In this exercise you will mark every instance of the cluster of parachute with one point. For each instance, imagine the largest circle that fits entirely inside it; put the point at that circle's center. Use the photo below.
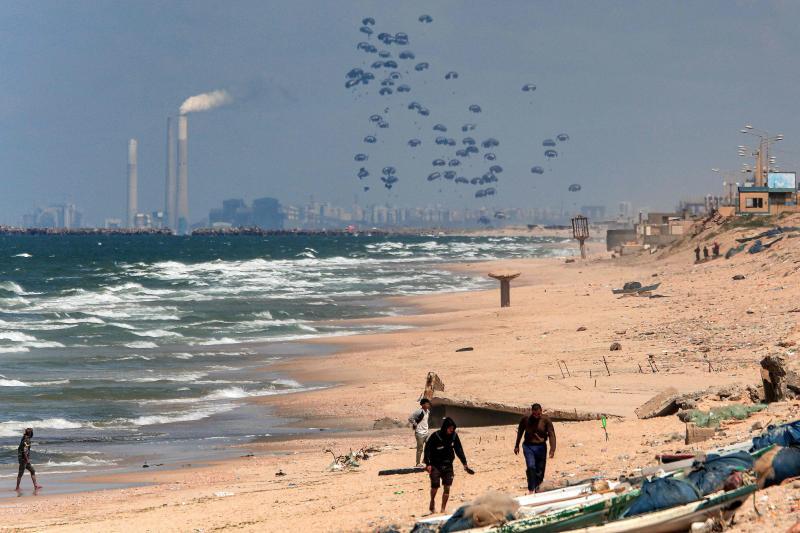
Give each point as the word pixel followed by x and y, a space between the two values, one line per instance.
pixel 393 67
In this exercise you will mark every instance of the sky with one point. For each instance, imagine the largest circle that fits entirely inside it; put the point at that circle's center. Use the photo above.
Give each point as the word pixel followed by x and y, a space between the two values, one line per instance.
pixel 652 94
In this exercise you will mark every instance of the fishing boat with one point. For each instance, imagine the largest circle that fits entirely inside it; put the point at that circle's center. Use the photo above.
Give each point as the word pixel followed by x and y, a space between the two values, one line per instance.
pixel 678 518
pixel 529 504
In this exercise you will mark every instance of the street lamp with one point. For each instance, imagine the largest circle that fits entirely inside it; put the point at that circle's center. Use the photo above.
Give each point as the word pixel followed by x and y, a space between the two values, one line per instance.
pixel 762 154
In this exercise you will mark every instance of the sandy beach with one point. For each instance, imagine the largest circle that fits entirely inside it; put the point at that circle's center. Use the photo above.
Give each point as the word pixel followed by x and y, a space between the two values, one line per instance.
pixel 707 330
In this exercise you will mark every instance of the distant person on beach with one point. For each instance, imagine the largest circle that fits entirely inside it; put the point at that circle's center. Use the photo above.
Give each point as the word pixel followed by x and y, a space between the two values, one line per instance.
pixel 419 421
pixel 715 249
pixel 24 458
pixel 697 254
pixel 705 252
pixel 441 449
pixel 537 429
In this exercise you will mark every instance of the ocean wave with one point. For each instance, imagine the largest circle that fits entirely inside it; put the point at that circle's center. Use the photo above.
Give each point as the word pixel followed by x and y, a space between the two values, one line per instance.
pixel 10 286
pixel 141 344
pixel 14 349
pixel 16 336
pixel 14 428
pixel 171 418
pixel 49 383
pixel 184 377
pixel 23 254
pixel 287 383
pixel 157 333
pixel 84 460
pixel 12 383
pixel 214 341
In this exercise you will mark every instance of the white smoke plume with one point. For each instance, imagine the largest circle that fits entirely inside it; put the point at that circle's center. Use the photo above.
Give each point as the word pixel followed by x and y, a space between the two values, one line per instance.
pixel 206 101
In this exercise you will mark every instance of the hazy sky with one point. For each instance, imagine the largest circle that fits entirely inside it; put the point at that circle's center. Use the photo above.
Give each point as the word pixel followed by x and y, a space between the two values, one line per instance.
pixel 652 94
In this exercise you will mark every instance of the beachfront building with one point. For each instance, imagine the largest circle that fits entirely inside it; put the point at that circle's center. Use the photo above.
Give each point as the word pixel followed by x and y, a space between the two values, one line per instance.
pixel 778 196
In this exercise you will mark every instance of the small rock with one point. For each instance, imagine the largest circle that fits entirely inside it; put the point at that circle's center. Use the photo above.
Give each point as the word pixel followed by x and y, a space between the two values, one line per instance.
pixel 465 349
pixel 738 277
pixel 582 328
pixel 786 344
pixel 615 347
pixel 796 484
pixel 621 332
pixel 757 426
pixel 280 473
pixel 750 311
pixel 569 261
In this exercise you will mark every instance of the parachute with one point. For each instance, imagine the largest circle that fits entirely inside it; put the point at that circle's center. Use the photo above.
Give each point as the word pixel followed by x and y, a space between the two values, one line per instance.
pixel 537 170
pixel 550 154
pixel 529 87
pixel 548 142
pixel 575 187
pixel 562 137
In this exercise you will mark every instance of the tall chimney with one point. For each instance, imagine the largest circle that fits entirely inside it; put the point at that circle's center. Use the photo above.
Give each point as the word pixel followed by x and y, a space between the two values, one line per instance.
pixel 133 179
pixel 183 176
pixel 170 196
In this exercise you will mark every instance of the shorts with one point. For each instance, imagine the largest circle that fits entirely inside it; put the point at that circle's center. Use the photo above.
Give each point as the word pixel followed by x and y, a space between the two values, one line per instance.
pixel 441 476
pixel 23 466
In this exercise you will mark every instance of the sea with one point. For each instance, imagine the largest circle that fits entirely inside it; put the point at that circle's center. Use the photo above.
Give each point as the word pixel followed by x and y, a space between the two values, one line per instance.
pixel 122 351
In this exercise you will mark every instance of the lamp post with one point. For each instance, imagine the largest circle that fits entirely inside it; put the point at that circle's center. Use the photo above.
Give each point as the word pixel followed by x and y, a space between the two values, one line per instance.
pixel 763 161
pixel 727 183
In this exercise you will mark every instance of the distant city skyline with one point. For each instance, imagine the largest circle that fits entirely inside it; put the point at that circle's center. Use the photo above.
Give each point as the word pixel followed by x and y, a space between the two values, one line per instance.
pixel 652 95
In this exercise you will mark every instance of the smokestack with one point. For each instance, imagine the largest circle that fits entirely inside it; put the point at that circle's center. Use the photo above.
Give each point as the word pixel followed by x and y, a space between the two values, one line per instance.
pixel 170 196
pixel 133 179
pixel 183 175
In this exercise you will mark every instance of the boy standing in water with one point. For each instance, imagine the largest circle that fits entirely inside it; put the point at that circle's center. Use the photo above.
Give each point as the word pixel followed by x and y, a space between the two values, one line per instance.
pixel 24 458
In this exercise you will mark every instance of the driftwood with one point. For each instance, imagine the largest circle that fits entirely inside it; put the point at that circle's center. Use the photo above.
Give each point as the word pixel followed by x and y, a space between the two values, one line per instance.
pixel 557 415
pixel 397 471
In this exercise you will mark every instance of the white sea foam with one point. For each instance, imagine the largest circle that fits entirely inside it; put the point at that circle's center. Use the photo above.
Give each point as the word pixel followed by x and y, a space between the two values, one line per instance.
pixel 16 336
pixel 141 344
pixel 214 341
pixel 23 254
pixel 10 286
pixel 12 383
pixel 170 418
pixel 13 428
pixel 49 383
pixel 287 383
pixel 80 461
pixel 14 349
pixel 157 333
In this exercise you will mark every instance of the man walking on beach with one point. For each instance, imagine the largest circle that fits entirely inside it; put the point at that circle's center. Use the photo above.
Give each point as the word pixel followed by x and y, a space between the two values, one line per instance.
pixel 419 421
pixel 697 254
pixel 705 252
pixel 441 449
pixel 538 429
pixel 24 458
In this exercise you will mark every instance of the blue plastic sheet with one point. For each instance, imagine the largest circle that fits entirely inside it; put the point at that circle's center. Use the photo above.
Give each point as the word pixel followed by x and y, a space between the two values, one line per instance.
pixel 784 435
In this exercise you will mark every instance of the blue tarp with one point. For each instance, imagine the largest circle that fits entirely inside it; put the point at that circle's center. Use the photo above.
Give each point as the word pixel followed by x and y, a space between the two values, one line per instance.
pixel 757 247
pixel 784 435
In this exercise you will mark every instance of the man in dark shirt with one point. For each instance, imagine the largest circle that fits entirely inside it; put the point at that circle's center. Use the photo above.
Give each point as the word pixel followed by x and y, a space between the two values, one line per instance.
pixel 24 458
pixel 441 449
pixel 538 429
